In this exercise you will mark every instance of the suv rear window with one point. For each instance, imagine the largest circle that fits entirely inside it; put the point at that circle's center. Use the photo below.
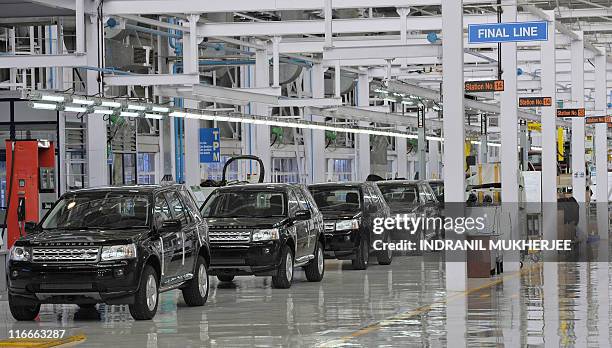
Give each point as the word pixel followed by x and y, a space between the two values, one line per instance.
pixel 400 194
pixel 336 198
pixel 245 204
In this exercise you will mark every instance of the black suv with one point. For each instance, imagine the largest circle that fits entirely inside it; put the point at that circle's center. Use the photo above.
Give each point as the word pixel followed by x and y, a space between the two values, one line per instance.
pixel 264 230
pixel 115 245
pixel 412 198
pixel 349 211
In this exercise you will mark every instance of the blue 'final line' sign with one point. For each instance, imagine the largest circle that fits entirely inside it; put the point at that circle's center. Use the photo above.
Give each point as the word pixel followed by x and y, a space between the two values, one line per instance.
pixel 508 32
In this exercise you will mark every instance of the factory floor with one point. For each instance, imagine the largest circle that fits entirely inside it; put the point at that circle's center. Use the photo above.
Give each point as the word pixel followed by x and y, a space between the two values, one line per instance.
pixel 401 305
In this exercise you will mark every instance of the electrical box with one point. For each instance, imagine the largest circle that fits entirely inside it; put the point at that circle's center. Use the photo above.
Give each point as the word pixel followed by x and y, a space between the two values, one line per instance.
pixel 30 182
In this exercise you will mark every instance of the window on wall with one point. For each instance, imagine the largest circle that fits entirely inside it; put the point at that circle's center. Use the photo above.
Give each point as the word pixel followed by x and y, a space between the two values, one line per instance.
pixel 286 170
pixel 341 170
pixel 146 168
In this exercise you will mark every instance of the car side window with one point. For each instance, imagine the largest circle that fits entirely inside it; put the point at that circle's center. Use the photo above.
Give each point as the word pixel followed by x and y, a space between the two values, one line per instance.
pixel 429 197
pixel 176 207
pixel 294 204
pixel 190 204
pixel 369 197
pixel 378 199
pixel 311 202
pixel 302 201
pixel 161 211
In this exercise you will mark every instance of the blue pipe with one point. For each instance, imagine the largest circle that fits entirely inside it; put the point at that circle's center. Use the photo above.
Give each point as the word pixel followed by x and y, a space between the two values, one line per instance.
pixel 152 31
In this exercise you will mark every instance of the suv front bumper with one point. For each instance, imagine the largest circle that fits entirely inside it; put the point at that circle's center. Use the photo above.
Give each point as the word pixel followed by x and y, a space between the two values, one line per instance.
pixel 255 258
pixel 109 282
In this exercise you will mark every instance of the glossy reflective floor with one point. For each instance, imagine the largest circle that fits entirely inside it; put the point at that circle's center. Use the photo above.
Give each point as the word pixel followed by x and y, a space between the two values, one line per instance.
pixel 402 305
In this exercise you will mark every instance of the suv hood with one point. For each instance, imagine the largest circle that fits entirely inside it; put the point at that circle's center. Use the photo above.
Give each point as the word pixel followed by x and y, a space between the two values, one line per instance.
pixel 245 222
pixel 67 237
pixel 340 215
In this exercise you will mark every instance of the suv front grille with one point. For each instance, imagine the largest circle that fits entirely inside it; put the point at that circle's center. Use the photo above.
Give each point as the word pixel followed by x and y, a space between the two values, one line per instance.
pixel 330 226
pixel 88 254
pixel 229 236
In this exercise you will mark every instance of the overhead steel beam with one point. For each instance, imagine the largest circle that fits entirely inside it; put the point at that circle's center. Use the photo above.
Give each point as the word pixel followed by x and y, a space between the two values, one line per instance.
pixel 42 61
pixel 198 6
pixel 583 13
pixel 268 95
pixel 341 26
pixel 308 102
pixel 382 52
pixel 152 80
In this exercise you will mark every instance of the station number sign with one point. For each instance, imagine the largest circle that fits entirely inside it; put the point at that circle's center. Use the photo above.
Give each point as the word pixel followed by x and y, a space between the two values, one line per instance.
pixel 485 86
pixel 531 102
pixel 571 112
pixel 598 119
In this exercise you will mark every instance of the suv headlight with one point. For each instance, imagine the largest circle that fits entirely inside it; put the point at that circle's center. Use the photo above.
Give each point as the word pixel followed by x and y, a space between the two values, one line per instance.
pixel 19 253
pixel 118 252
pixel 268 234
pixel 345 225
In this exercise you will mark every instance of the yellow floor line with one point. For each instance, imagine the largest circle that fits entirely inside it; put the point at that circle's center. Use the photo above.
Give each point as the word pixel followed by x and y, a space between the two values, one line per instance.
pixel 43 343
pixel 424 309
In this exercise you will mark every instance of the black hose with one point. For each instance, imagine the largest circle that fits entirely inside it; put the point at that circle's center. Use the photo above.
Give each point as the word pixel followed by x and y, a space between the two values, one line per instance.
pixel 10 191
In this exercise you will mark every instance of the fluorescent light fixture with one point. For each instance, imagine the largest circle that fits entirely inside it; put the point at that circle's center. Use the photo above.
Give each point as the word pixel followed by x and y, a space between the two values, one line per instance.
pixel 536 148
pixel 494 144
pixel 103 111
pixel 53 98
pixel 162 109
pixel 75 109
pixel 407 102
pixel 136 107
pixel 128 114
pixel 44 106
pixel 154 116
pixel 111 104
pixel 82 101
pixel 177 114
pixel 433 138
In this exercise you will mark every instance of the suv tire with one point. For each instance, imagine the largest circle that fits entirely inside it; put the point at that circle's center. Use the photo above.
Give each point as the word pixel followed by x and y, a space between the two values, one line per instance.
pixel 225 278
pixel 146 298
pixel 284 273
pixel 316 268
pixel 385 257
pixel 23 312
pixel 362 256
pixel 195 293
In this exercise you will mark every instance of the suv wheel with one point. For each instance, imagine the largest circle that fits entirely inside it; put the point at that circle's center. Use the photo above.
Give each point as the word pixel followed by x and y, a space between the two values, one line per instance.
pixel 147 296
pixel 225 278
pixel 23 312
pixel 196 291
pixel 284 273
pixel 316 268
pixel 385 257
pixel 362 256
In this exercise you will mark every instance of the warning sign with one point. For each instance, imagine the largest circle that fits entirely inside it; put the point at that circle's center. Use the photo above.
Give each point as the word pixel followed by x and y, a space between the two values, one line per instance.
pixel 485 86
pixel 570 112
pixel 533 102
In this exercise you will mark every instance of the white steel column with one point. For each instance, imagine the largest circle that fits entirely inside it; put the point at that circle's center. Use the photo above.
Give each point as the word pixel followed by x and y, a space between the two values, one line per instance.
pixel 362 148
pixel 454 129
pixel 80 26
pixel 509 114
pixel 433 159
pixel 97 168
pixel 549 184
pixel 549 129
pixel 314 140
pixel 601 144
pixel 401 150
pixel 578 165
pixel 275 62
pixel 262 132
pixel 509 143
pixel 192 126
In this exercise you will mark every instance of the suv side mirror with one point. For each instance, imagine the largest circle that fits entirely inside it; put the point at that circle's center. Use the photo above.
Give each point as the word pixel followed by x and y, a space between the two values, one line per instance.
pixel 31 227
pixel 171 226
pixel 303 215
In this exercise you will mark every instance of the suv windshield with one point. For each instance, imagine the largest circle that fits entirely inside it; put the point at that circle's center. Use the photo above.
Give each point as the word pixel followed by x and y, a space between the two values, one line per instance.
pixel 399 195
pixel 337 198
pixel 256 204
pixel 103 210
